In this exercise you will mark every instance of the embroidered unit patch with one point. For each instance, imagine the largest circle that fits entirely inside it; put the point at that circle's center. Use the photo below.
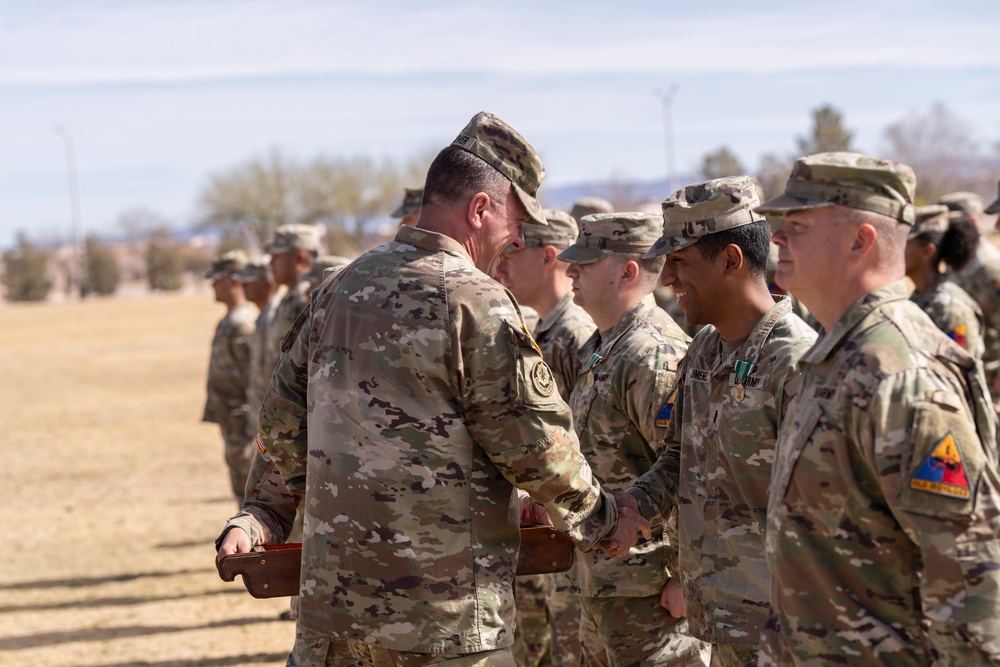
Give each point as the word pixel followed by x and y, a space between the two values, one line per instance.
pixel 663 419
pixel 943 471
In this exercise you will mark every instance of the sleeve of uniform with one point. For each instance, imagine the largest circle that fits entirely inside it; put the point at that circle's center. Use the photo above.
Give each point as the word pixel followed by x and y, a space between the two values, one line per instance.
pixel 944 491
pixel 656 490
pixel 268 508
pixel 513 409
pixel 282 424
pixel 646 390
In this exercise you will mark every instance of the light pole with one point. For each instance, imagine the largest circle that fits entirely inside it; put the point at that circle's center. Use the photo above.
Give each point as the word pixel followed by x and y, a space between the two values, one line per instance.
pixel 74 193
pixel 667 101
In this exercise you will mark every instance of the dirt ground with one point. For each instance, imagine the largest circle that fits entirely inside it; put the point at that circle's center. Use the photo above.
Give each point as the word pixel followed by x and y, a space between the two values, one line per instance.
pixel 115 492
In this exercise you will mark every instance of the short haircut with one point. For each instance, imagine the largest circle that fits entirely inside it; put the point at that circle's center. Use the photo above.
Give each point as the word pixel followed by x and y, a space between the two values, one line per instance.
pixel 649 267
pixel 754 240
pixel 957 245
pixel 456 173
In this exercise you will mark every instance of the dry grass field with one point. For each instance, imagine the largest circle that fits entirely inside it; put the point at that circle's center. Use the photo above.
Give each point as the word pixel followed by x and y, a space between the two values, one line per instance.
pixel 114 491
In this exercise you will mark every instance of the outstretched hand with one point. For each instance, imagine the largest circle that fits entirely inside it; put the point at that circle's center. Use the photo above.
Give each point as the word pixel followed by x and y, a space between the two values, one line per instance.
pixel 630 524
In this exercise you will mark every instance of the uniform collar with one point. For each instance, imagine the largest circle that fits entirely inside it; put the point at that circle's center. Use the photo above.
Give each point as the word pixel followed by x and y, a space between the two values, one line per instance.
pixel 625 323
pixel 557 311
pixel 751 347
pixel 428 240
pixel 862 308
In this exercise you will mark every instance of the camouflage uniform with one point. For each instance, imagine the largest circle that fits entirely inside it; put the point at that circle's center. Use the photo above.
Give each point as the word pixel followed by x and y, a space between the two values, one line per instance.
pixel 948 306
pixel 228 366
pixel 723 418
pixel 419 402
pixel 884 507
pixel 625 381
pixel 954 312
pixel 980 279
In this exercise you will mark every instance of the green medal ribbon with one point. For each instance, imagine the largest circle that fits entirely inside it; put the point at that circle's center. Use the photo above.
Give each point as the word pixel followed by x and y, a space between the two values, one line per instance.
pixel 743 370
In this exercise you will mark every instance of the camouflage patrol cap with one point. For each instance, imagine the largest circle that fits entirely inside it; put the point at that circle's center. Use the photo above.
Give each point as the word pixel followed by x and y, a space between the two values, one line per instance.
pixel 604 233
pixel 706 208
pixel 559 233
pixel 995 206
pixel 496 142
pixel 226 263
pixel 931 219
pixel 411 203
pixel 847 179
pixel 258 268
pixel 964 204
pixel 293 237
pixel 323 266
pixel 590 206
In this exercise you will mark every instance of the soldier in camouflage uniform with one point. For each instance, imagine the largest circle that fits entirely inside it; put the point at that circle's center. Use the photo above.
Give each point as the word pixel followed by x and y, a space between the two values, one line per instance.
pixel 260 289
pixel 228 367
pixel 420 402
pixel 884 506
pixel 980 278
pixel 629 368
pixel 548 610
pixel 409 211
pixel 293 248
pixel 723 416
pixel 932 241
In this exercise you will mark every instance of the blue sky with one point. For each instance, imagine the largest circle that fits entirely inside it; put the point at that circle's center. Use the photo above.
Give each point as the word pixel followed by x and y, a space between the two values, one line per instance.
pixel 159 95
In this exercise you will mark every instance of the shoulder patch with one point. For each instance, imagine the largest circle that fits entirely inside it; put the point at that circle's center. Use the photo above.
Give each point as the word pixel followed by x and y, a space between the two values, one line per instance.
pixel 958 335
pixel 667 412
pixel 943 471
pixel 541 378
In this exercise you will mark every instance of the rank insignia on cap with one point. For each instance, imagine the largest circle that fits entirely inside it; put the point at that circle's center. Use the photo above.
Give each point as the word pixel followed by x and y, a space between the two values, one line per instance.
pixel 943 471
pixel 958 334
pixel 663 419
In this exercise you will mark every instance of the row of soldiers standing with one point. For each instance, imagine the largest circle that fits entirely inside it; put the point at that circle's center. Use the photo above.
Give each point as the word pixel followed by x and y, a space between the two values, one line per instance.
pixel 645 406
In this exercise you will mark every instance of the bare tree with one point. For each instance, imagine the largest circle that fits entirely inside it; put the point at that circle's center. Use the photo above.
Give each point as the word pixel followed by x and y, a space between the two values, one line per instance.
pixel 828 133
pixel 772 174
pixel 720 163
pixel 939 147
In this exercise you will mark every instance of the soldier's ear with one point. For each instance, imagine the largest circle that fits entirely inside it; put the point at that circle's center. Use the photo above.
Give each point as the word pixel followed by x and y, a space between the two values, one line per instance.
pixel 549 256
pixel 478 206
pixel 732 256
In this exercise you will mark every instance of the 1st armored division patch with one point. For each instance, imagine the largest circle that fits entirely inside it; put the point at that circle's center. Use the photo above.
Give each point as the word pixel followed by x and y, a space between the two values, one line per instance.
pixel 943 471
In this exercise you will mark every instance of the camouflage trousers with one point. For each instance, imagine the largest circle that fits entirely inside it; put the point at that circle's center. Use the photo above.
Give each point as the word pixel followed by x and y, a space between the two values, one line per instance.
pixel 374 656
pixel 564 621
pixel 531 637
pixel 731 655
pixel 636 632
pixel 312 649
pixel 239 455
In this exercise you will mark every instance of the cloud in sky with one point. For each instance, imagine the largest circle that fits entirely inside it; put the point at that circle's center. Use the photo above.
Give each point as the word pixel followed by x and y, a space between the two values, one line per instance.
pixel 158 95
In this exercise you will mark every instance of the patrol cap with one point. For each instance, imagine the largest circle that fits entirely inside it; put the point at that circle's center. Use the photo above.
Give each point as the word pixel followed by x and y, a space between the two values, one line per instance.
pixel 258 268
pixel 995 206
pixel 706 208
pixel 847 179
pixel 294 237
pixel 590 206
pixel 604 233
pixel 227 262
pixel 559 233
pixel 965 204
pixel 411 203
pixel 322 266
pixel 931 219
pixel 496 142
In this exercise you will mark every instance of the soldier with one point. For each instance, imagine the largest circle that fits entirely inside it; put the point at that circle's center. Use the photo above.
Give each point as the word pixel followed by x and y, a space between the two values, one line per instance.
pixel 980 278
pixel 630 365
pixel 883 507
pixel 260 289
pixel 548 609
pixel 293 249
pixel 228 367
pixel 932 241
pixel 409 210
pixel 322 267
pixel 419 402
pixel 723 416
